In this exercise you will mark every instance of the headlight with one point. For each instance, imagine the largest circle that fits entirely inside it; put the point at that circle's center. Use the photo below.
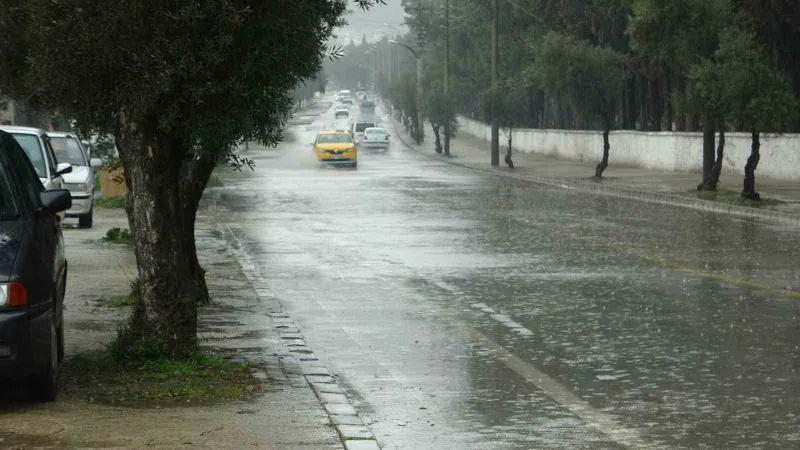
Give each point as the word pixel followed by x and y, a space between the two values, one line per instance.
pixel 74 187
pixel 13 294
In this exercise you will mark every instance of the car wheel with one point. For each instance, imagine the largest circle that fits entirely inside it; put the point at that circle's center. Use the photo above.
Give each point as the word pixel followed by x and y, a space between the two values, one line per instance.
pixel 355 164
pixel 44 385
pixel 85 220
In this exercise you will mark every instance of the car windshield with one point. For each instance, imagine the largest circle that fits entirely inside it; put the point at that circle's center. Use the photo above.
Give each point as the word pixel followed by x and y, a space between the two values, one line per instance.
pixel 361 126
pixel 375 131
pixel 368 104
pixel 33 148
pixel 68 150
pixel 333 139
pixel 8 207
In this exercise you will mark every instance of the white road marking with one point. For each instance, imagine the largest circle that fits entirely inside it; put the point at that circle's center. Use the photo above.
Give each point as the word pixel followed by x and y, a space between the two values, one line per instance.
pixel 614 430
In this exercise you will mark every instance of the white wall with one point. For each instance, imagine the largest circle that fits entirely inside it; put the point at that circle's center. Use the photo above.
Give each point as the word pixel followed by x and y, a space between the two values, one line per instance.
pixel 667 151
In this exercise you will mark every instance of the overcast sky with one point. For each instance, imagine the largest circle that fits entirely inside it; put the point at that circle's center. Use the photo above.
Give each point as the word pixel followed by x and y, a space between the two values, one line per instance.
pixel 375 22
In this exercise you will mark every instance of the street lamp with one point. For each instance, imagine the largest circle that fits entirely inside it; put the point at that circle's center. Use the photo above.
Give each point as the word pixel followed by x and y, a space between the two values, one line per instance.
pixel 417 56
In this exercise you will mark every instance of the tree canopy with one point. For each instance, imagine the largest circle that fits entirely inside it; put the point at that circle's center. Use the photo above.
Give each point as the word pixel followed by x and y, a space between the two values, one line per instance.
pixel 179 85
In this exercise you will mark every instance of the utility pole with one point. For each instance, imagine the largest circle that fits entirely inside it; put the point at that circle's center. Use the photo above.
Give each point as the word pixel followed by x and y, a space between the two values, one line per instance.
pixel 390 58
pixel 495 81
pixel 447 74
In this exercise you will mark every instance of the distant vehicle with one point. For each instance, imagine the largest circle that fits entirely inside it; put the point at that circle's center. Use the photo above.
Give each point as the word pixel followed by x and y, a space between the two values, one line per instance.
pixel 358 127
pixel 337 147
pixel 337 97
pixel 345 93
pixel 341 111
pixel 361 95
pixel 80 181
pixel 347 101
pixel 368 107
pixel 375 137
pixel 36 145
pixel 33 274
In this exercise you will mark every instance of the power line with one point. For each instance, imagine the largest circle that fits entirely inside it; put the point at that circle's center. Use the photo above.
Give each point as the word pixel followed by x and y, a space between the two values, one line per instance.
pixel 524 10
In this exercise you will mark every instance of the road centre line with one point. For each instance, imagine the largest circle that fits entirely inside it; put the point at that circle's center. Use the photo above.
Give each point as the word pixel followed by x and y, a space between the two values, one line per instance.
pixel 708 274
pixel 617 432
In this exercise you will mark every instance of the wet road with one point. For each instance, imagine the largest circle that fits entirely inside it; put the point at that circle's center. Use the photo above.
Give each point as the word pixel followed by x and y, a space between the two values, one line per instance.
pixel 467 311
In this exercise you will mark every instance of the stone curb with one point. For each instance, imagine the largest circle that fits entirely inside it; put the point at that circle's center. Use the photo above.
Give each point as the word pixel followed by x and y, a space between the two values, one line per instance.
pixel 305 369
pixel 630 194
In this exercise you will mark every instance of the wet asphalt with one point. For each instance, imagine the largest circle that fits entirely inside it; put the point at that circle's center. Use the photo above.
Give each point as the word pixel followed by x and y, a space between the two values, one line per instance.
pixel 462 310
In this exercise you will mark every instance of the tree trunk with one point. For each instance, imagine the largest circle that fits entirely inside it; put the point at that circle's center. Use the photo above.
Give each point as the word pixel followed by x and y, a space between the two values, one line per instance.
pixel 508 160
pixel 152 161
pixel 642 103
pixel 655 107
pixel 669 119
pixel 749 191
pixel 716 170
pixel 630 103
pixel 708 155
pixel 447 137
pixel 681 125
pixel 540 104
pixel 196 174
pixel 598 173
pixel 438 141
pixel 693 123
pixel 416 129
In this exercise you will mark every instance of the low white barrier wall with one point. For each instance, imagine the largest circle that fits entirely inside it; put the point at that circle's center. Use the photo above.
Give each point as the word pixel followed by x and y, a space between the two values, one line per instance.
pixel 666 151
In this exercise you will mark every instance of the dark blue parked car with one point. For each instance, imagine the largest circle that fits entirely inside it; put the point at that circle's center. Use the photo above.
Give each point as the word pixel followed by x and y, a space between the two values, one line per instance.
pixel 33 274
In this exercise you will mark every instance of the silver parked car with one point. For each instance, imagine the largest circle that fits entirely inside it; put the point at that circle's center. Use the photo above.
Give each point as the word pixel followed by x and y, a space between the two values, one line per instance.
pixel 36 144
pixel 80 182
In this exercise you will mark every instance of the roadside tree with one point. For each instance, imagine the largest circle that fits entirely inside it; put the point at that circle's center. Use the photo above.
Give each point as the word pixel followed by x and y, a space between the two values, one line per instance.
pixel 583 75
pixel 179 85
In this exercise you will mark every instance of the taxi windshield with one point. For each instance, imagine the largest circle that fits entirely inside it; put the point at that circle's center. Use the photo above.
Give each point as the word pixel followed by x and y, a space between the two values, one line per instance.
pixel 333 139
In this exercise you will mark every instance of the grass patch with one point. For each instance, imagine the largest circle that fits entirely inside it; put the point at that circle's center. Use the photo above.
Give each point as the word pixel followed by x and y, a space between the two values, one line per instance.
pixel 107 378
pixel 125 300
pixel 113 202
pixel 141 372
pixel 118 302
pixel 118 236
pixel 730 197
pixel 214 181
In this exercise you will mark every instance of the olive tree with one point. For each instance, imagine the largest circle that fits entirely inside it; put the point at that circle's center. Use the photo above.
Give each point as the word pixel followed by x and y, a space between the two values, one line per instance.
pixel 179 84
pixel 581 74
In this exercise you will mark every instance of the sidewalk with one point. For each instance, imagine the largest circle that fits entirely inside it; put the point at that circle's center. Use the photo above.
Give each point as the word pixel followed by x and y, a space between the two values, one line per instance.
pixel 781 199
pixel 241 323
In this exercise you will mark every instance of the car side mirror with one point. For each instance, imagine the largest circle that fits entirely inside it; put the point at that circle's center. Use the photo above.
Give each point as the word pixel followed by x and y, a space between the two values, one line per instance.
pixel 63 168
pixel 56 200
pixel 95 162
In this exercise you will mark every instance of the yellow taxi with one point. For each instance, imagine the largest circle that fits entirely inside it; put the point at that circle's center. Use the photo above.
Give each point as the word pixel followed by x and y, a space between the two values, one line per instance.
pixel 336 146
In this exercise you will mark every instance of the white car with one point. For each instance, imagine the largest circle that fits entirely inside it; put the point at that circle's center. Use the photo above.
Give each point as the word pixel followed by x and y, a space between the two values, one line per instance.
pixel 37 146
pixel 358 127
pixel 80 181
pixel 375 137
pixel 341 111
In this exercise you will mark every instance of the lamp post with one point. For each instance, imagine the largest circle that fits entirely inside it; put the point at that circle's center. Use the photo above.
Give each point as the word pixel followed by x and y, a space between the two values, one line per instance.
pixel 417 56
